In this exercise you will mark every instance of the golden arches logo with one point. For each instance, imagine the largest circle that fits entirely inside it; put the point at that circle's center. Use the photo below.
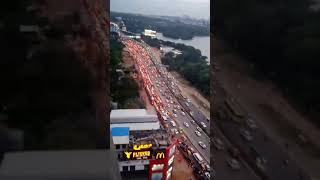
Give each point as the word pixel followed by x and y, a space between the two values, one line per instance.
pixel 128 154
pixel 160 155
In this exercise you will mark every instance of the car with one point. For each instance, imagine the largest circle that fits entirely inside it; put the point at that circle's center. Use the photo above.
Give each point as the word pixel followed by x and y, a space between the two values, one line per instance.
pixel 188 100
pixel 174 111
pixel 169 106
pixel 198 133
pixel 173 123
pixel 182 113
pixel 187 104
pixel 202 145
pixel 175 131
pixel 171 102
pixel 191 113
pixel 208 167
pixel 246 135
pixel 207 174
pixel 218 144
pixel 167 100
pixel 180 130
pixel 175 115
pixel 208 119
pixel 203 124
pixel 198 128
pixel 186 124
pixel 251 123
pixel 233 163
pixel 193 122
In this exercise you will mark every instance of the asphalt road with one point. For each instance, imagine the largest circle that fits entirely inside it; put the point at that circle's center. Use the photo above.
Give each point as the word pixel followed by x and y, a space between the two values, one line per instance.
pixel 153 73
pixel 278 165
pixel 180 119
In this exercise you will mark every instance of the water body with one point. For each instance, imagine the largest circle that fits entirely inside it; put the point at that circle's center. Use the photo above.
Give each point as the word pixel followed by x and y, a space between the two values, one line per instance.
pixel 192 8
pixel 199 42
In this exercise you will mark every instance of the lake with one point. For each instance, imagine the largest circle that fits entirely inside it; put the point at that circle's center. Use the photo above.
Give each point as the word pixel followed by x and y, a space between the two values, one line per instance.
pixel 199 42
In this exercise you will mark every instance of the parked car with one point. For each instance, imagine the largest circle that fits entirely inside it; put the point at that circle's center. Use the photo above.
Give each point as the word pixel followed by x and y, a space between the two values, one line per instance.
pixel 193 122
pixel 199 129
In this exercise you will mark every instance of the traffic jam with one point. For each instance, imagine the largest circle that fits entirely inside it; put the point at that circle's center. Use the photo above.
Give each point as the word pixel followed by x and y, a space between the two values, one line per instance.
pixel 168 108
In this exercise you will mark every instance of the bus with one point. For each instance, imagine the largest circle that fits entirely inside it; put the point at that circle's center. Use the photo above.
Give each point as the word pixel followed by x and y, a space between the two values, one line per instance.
pixel 198 157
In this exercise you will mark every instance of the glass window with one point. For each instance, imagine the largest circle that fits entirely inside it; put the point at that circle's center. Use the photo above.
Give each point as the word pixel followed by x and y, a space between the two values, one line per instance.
pixel 125 168
pixel 132 168
pixel 117 146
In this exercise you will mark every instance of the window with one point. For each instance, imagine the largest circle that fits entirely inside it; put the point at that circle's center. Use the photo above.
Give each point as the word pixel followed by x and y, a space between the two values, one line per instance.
pixel 125 168
pixel 119 156
pixel 132 168
pixel 124 146
pixel 117 146
pixel 146 167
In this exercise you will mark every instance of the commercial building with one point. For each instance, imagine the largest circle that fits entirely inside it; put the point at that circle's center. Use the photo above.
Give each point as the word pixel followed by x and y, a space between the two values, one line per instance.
pixel 141 143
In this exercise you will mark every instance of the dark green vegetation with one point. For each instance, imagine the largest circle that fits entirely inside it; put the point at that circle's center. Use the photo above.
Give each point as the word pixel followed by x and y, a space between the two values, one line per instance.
pixel 137 23
pixel 282 38
pixel 190 64
pixel 45 89
pixel 124 91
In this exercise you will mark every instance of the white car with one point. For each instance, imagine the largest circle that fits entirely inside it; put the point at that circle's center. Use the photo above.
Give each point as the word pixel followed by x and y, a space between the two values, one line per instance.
pixel 188 100
pixel 198 133
pixel 175 115
pixel 182 113
pixel 203 124
pixel 198 128
pixel 202 145
pixel 192 121
pixel 207 174
pixel 186 124
pixel 173 123
pixel 175 131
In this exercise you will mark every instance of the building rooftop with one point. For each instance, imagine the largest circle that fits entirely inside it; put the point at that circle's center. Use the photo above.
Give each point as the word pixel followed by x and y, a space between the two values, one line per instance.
pixel 132 116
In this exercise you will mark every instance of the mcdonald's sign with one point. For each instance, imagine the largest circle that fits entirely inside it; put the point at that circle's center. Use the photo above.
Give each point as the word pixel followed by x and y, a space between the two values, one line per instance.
pixel 160 155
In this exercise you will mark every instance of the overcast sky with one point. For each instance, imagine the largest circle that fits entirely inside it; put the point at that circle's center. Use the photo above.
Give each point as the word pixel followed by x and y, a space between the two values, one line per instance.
pixel 192 8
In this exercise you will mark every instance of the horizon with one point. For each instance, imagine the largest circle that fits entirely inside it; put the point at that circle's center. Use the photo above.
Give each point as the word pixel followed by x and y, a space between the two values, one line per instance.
pixel 196 9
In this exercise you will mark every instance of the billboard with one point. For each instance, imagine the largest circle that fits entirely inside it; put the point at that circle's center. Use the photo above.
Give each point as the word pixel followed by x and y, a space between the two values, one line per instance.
pixel 141 151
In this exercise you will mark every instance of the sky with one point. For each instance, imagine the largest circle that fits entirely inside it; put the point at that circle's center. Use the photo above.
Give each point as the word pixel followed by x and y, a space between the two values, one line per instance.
pixel 192 8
